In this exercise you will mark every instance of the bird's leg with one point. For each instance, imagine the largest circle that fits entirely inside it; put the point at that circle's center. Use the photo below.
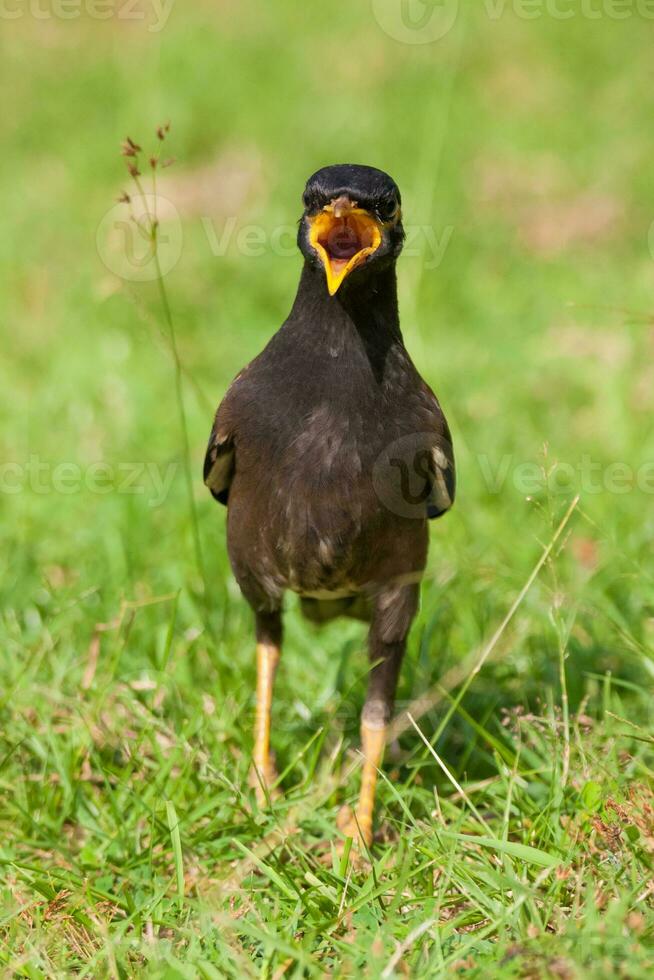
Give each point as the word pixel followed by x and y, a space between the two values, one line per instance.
pixel 269 634
pixel 393 612
pixel 358 823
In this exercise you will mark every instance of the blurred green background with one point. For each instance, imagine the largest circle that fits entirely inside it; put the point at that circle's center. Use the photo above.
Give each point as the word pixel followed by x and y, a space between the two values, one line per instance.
pixel 523 150
pixel 521 146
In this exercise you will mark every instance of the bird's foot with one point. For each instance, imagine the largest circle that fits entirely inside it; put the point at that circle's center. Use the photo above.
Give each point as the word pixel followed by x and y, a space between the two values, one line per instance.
pixel 263 777
pixel 357 827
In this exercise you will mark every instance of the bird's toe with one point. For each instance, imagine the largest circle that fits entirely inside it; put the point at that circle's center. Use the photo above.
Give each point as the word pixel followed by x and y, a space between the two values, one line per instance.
pixel 350 826
pixel 263 777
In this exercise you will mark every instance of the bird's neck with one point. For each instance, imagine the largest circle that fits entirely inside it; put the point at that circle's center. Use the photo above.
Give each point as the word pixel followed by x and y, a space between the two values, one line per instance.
pixel 363 312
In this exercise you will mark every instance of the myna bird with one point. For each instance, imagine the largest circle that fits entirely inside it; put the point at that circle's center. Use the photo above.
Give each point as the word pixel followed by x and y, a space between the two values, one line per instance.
pixel 331 453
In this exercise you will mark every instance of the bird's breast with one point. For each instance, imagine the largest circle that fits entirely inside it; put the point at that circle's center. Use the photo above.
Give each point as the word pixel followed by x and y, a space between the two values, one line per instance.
pixel 305 475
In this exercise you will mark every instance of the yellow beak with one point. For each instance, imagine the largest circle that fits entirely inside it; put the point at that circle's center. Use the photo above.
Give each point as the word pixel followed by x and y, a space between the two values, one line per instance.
pixel 343 235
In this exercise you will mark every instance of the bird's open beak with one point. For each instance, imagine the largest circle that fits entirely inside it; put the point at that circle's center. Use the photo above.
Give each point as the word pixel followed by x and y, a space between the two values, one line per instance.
pixel 343 235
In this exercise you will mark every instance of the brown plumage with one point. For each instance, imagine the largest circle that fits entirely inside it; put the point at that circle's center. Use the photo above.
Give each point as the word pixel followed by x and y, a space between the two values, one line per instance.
pixel 331 453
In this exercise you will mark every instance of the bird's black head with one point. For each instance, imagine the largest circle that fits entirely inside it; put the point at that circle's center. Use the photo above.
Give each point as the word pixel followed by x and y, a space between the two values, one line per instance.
pixel 352 221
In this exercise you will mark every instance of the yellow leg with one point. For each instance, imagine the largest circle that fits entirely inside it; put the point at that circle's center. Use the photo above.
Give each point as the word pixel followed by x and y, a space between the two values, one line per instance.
pixel 373 740
pixel 264 767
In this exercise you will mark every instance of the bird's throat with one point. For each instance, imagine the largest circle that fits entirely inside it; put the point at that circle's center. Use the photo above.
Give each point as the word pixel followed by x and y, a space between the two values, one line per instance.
pixel 368 304
pixel 360 322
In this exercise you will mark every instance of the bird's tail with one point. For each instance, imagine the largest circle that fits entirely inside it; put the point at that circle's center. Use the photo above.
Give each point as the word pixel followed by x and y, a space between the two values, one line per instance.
pixel 323 610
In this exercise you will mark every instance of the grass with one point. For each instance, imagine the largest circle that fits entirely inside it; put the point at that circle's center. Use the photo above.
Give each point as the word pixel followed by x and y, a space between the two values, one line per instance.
pixel 516 812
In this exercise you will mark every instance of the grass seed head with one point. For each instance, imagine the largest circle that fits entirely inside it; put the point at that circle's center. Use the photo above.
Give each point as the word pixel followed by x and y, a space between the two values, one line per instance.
pixel 129 148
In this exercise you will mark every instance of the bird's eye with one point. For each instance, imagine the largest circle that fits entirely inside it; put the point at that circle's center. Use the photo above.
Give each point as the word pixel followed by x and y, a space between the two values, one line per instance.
pixel 388 210
pixel 311 201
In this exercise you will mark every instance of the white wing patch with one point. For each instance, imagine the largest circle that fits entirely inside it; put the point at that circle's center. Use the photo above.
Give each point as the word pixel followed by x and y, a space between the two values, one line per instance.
pixel 441 497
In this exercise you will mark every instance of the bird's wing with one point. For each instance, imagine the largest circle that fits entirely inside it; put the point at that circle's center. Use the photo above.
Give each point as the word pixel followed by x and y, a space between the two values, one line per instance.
pixel 219 462
pixel 220 458
pixel 441 463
